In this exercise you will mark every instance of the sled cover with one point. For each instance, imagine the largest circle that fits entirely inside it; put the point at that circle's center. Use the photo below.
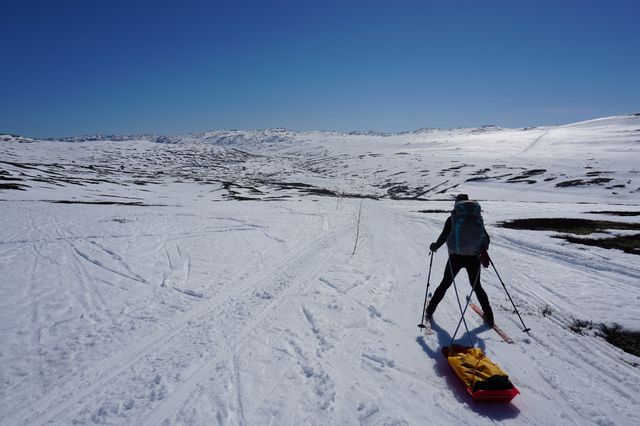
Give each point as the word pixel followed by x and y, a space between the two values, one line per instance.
pixel 483 379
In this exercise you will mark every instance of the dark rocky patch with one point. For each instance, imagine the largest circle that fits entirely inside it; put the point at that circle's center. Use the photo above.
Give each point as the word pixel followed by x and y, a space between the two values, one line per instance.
pixel 615 213
pixel 18 165
pixel 321 191
pixel 106 203
pixel 627 243
pixel 478 178
pixel 573 226
pixel 599 181
pixel 534 172
pixel 480 172
pixel 390 184
pixel 399 189
pixel 527 181
pixel 481 178
pixel 581 182
pixel 330 193
pixel 567 183
pixel 591 174
pixel 628 341
pixel 524 177
pixel 241 198
pixel 9 178
pixel 277 198
pixel 291 185
pixel 14 186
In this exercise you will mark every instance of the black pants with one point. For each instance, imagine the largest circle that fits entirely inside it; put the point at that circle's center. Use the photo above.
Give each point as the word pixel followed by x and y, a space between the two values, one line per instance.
pixel 455 263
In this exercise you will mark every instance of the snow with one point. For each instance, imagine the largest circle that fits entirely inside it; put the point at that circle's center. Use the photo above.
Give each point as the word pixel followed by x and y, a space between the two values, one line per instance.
pixel 203 281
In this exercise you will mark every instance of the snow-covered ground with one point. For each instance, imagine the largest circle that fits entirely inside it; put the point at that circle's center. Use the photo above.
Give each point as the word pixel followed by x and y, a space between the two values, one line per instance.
pixel 210 278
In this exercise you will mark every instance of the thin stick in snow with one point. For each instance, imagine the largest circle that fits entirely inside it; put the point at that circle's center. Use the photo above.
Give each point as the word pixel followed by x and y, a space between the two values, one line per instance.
pixel 357 229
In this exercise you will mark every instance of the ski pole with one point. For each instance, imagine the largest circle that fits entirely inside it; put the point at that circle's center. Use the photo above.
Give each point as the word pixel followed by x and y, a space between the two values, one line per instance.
pixel 426 293
pixel 455 288
pixel 463 311
pixel 526 329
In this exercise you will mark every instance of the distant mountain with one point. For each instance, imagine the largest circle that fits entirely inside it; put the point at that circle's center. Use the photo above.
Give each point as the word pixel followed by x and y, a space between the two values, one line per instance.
pixel 281 135
pixel 15 138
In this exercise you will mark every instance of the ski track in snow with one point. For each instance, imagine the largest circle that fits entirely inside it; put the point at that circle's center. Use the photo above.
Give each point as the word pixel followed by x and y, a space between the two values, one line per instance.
pixel 295 275
pixel 229 293
pixel 536 142
pixel 110 368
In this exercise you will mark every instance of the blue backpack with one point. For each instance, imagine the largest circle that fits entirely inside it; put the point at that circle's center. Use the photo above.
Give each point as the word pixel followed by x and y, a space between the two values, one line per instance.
pixel 467 235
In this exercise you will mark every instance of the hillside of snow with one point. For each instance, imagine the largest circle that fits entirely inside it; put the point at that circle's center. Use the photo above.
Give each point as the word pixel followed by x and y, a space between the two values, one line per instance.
pixel 221 278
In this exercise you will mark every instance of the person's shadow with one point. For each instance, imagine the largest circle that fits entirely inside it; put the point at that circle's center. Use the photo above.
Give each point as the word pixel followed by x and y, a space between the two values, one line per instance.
pixel 442 369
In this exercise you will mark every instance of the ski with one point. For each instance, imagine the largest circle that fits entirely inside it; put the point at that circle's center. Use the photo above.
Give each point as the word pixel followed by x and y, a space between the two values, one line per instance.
pixel 498 330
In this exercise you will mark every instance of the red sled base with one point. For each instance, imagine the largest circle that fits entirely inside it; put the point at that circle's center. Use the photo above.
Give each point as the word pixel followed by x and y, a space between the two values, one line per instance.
pixel 487 396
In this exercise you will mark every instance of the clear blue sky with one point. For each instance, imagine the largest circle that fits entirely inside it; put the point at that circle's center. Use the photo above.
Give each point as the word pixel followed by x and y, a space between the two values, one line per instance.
pixel 74 67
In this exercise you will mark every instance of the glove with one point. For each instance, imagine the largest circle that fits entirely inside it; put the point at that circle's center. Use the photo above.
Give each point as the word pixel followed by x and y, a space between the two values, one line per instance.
pixel 433 247
pixel 484 259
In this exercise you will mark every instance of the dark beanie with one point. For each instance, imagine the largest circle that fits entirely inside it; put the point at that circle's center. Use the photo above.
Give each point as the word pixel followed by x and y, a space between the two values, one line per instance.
pixel 462 197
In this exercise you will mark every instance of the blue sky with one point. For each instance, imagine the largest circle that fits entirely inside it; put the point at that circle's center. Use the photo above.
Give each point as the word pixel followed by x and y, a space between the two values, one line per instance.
pixel 76 67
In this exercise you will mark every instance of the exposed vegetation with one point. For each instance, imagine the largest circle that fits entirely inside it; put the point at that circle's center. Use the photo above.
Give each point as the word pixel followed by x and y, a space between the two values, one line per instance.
pixel 546 310
pixel 628 341
pixel 106 203
pixel 524 177
pixel 578 326
pixel 573 226
pixel 627 243
pixel 616 213
pixel 581 182
pixel 18 186
pixel 434 211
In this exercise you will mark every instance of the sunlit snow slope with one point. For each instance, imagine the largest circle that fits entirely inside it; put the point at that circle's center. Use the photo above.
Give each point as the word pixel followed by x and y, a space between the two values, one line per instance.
pixel 215 277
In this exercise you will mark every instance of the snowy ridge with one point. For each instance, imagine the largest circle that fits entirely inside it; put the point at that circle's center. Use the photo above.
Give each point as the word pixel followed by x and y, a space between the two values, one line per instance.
pixel 209 278
pixel 15 138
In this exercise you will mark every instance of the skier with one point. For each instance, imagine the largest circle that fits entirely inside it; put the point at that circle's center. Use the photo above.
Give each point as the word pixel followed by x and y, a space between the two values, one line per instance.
pixel 467 243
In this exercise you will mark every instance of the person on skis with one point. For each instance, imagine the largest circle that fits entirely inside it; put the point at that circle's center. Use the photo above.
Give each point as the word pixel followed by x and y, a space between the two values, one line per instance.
pixel 467 243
